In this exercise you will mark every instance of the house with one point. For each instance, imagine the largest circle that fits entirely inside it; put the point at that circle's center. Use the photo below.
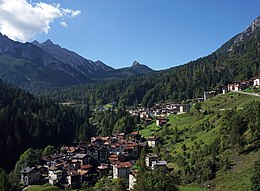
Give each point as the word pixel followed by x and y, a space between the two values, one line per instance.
pixel 149 158
pixel 135 136
pixel 83 158
pixel 132 179
pixel 30 175
pixel 54 176
pixel 209 94
pixel 153 141
pixel 224 89
pixel 236 87
pixel 92 150
pixel 159 165
pixel 73 178
pixel 161 121
pixel 184 108
pixel 85 173
pixel 113 158
pixel 102 154
pixel 256 82
pixel 103 170
pixel 121 170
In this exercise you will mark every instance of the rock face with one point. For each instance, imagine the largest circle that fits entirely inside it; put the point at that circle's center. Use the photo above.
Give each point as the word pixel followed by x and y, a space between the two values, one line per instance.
pixel 252 31
pixel 46 63
pixel 23 63
pixel 72 59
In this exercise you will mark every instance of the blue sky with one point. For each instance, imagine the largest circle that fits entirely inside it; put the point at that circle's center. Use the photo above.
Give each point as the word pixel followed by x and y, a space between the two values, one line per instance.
pixel 158 33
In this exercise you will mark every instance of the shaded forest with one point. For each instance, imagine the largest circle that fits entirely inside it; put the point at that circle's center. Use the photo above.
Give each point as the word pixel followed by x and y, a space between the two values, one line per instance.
pixel 27 121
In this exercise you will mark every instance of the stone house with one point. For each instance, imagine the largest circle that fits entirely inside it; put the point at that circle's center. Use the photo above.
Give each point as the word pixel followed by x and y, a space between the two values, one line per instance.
pixel 30 175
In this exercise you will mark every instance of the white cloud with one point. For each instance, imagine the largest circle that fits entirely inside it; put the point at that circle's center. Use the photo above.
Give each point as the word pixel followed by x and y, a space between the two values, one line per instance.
pixel 22 20
pixel 63 24
pixel 71 12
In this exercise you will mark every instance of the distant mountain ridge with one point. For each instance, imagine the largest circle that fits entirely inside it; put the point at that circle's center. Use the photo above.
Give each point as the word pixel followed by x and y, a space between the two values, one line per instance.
pixel 135 70
pixel 24 64
pixel 72 59
pixel 236 60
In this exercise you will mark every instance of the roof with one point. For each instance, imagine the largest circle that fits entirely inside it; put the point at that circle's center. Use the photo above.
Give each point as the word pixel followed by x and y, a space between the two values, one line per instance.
pixel 86 166
pixel 153 138
pixel 27 169
pixel 159 163
pixel 103 167
pixel 151 155
pixel 135 133
pixel 124 165
pixel 80 156
pixel 142 144
pixel 72 173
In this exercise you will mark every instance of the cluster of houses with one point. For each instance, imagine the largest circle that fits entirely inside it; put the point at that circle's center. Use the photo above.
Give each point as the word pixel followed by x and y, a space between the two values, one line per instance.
pixel 160 110
pixel 233 87
pixel 111 156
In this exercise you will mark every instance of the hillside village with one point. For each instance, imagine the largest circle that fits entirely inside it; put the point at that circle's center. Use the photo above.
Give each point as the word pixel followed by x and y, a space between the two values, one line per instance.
pixel 112 156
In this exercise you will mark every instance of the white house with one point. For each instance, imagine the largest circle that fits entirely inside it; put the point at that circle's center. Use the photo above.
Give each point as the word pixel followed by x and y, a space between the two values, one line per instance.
pixel 153 141
pixel 149 158
pixel 54 176
pixel 132 179
pixel 257 82
pixel 159 165
pixel 121 170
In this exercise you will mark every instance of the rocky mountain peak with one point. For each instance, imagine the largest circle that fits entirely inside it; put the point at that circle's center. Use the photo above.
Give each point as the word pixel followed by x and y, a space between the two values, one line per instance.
pixel 48 42
pixel 250 32
pixel 135 63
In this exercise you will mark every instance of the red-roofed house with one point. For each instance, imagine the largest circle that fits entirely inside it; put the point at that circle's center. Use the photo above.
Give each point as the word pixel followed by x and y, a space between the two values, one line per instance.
pixel 73 178
pixel 121 169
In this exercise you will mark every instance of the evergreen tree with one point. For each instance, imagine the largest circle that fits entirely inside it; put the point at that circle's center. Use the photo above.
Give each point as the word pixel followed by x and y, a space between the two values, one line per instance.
pixel 255 179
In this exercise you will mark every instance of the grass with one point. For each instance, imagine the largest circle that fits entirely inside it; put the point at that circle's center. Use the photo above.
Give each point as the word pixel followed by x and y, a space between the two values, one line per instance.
pixel 192 127
pixel 252 90
pixel 150 130
pixel 191 188
pixel 45 187
pixel 232 99
pixel 238 178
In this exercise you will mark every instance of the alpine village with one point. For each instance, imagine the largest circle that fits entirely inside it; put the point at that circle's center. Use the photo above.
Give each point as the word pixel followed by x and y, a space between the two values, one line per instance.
pixel 69 123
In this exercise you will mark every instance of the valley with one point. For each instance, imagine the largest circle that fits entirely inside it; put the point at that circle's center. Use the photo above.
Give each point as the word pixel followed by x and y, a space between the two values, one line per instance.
pixel 79 124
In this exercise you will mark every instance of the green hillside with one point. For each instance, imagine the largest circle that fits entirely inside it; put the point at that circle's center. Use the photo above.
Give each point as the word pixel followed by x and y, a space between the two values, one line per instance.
pixel 198 144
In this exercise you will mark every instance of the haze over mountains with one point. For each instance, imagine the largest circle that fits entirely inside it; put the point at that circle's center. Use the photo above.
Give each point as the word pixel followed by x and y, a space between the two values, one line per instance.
pixel 50 64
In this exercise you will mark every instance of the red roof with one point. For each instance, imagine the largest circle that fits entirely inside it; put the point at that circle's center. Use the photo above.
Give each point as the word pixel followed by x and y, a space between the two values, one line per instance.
pixel 153 138
pixel 86 166
pixel 135 133
pixel 72 173
pixel 124 165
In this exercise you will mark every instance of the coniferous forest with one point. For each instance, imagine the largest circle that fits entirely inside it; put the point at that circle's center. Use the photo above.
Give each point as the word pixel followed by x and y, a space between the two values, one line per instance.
pixel 27 121
pixel 175 84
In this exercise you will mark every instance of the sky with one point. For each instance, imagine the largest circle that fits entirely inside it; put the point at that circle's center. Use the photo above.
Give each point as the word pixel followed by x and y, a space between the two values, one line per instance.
pixel 158 33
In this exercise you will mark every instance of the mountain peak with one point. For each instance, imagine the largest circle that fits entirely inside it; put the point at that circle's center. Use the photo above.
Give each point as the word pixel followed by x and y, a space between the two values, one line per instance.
pixel 135 63
pixel 48 42
pixel 35 42
pixel 248 33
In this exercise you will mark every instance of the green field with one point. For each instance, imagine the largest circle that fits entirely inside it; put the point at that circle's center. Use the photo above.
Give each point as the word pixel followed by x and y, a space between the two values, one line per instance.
pixel 150 130
pixel 191 188
pixel 45 187
pixel 202 128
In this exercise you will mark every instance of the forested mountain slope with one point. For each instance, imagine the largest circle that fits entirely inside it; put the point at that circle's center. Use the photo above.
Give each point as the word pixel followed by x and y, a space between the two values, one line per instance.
pixel 236 60
pixel 26 121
